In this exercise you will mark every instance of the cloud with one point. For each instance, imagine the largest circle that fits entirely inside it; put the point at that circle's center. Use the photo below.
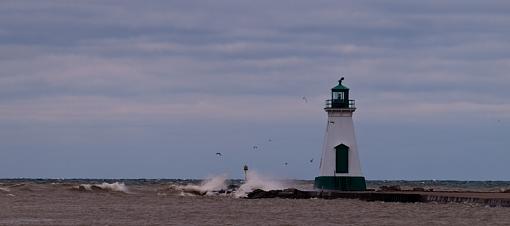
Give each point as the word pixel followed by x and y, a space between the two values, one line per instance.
pixel 99 109
pixel 164 51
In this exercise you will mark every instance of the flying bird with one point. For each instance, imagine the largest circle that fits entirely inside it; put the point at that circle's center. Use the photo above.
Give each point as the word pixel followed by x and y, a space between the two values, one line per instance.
pixel 269 140
pixel 332 122
pixel 219 154
pixel 305 99
pixel 255 147
pixel 311 160
pixel 286 163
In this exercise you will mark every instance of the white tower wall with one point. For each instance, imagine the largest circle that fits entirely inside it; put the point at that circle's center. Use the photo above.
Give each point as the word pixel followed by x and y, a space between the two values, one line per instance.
pixel 340 130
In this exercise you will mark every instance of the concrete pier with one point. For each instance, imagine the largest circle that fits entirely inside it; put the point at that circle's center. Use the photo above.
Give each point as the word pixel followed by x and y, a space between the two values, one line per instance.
pixel 493 199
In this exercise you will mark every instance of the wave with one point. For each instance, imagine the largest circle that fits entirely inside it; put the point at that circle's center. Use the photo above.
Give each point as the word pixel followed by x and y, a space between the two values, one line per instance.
pixel 255 181
pixel 115 187
pixel 7 191
pixel 218 186
pixel 210 186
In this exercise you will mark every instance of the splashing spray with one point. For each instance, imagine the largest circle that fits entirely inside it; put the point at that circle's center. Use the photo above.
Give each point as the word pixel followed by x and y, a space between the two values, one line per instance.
pixel 255 181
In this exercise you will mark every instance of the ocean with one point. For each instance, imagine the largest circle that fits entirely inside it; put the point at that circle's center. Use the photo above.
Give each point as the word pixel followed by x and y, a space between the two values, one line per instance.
pixel 219 201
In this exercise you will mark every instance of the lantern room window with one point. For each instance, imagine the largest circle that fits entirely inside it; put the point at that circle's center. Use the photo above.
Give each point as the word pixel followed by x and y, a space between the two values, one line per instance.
pixel 338 96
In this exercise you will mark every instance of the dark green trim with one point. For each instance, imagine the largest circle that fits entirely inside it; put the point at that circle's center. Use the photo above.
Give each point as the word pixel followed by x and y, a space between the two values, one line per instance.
pixel 340 87
pixel 342 158
pixel 340 183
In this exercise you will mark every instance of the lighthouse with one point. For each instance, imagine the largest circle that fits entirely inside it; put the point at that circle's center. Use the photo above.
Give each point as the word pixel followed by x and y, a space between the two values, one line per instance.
pixel 340 167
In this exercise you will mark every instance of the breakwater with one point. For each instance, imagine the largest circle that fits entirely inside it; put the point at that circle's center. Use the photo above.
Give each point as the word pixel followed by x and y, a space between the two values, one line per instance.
pixel 493 199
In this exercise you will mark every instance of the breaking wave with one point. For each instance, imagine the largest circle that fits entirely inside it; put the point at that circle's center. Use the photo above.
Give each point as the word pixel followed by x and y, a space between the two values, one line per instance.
pixel 218 186
pixel 210 186
pixel 256 181
pixel 115 187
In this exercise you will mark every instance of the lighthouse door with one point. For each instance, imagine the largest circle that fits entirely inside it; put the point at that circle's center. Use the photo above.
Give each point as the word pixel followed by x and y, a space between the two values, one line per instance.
pixel 342 158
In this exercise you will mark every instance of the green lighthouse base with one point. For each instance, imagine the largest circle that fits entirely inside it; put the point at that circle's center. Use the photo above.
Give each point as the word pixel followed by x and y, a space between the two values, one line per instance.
pixel 340 183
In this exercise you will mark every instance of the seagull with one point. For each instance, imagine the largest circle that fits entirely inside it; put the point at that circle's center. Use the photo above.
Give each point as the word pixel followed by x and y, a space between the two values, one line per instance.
pixel 311 160
pixel 305 99
pixel 219 154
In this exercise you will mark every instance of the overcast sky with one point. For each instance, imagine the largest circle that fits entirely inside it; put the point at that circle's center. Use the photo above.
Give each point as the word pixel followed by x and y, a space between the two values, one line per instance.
pixel 153 89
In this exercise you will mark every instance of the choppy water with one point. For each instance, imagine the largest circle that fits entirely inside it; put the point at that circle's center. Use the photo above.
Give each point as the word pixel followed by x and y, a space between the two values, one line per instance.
pixel 180 202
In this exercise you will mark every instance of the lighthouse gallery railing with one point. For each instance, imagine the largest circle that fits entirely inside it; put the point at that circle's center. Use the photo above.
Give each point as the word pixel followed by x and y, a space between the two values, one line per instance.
pixel 329 104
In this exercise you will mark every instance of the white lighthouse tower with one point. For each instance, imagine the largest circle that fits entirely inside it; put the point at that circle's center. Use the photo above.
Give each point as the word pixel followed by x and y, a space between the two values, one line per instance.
pixel 340 167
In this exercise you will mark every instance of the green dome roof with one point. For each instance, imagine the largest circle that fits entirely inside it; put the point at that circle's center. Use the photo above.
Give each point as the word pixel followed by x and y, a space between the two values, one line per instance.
pixel 340 86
